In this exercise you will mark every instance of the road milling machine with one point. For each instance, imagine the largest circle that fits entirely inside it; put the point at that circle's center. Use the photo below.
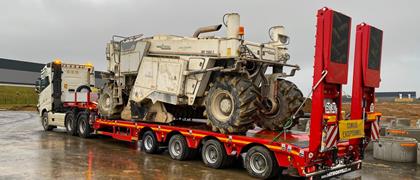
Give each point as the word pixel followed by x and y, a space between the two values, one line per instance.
pixel 226 80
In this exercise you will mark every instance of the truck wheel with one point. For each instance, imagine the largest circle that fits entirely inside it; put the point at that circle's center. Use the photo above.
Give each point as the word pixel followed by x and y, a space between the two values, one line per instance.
pixel 44 122
pixel 149 143
pixel 84 129
pixel 289 98
pixel 83 88
pixel 106 104
pixel 178 148
pixel 214 155
pixel 229 105
pixel 261 163
pixel 71 124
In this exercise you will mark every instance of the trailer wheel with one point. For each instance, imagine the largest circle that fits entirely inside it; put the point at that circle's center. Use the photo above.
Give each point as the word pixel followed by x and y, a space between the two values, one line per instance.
pixel 84 129
pixel 71 124
pixel 44 122
pixel 214 155
pixel 149 143
pixel 261 163
pixel 178 148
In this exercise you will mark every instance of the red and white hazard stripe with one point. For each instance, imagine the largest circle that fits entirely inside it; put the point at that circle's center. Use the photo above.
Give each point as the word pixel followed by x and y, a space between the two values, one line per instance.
pixel 332 136
pixel 375 131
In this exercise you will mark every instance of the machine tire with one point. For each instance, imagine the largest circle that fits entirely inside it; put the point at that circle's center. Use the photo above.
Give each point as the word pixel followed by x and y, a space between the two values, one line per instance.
pixel 214 155
pixel 261 163
pixel 178 148
pixel 149 143
pixel 71 123
pixel 229 104
pixel 44 122
pixel 106 104
pixel 83 127
pixel 289 99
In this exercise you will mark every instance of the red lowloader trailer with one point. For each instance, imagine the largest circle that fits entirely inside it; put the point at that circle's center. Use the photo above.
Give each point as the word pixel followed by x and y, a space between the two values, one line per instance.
pixel 334 145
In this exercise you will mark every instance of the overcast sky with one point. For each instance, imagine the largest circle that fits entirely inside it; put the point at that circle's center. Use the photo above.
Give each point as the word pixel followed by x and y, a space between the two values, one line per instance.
pixel 77 30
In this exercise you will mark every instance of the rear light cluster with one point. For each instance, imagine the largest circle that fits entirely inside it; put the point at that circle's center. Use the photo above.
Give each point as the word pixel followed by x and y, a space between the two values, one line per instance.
pixel 330 108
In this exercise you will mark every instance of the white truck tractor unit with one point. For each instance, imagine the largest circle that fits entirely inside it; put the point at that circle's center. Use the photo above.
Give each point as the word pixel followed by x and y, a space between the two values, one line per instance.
pixel 62 88
pixel 164 78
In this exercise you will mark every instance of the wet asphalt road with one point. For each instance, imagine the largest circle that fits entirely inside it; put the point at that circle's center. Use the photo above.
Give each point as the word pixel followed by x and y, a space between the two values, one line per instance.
pixel 27 152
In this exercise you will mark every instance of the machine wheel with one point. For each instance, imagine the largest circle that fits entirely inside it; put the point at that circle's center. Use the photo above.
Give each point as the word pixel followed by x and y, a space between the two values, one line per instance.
pixel 83 128
pixel 178 148
pixel 71 124
pixel 214 155
pixel 149 143
pixel 107 104
pixel 289 98
pixel 261 163
pixel 229 104
pixel 44 122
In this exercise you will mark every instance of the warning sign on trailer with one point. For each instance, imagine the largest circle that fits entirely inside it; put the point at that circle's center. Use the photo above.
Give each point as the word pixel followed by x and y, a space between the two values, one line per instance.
pixel 351 129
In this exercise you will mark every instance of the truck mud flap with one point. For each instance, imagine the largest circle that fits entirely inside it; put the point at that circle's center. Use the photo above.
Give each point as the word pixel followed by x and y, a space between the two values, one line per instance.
pixel 335 171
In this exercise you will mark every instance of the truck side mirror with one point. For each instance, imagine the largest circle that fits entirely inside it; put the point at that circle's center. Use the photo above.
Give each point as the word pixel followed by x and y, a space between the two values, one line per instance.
pixel 37 85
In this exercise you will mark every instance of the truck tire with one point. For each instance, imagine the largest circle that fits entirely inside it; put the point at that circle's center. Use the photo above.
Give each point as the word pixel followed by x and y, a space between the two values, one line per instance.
pixel 83 88
pixel 106 104
pixel 149 143
pixel 214 155
pixel 83 127
pixel 229 104
pixel 289 99
pixel 261 163
pixel 71 124
pixel 178 148
pixel 44 122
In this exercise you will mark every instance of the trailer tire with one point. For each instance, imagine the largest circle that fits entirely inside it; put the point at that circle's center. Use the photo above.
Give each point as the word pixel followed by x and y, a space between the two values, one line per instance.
pixel 71 124
pixel 178 148
pixel 261 163
pixel 44 122
pixel 214 155
pixel 83 127
pixel 149 143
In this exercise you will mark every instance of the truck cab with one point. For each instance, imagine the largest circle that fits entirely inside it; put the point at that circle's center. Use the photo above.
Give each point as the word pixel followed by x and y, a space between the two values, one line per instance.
pixel 60 84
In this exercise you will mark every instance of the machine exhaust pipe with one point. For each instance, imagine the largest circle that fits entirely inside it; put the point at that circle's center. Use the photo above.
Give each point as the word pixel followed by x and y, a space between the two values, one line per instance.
pixel 207 29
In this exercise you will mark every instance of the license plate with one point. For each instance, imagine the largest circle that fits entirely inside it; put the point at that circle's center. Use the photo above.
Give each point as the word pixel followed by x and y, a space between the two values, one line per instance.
pixel 351 129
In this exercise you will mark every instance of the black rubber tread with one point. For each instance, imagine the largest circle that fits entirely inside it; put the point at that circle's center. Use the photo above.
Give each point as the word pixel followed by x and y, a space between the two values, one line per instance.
pixel 46 126
pixel 72 122
pixel 272 165
pixel 242 91
pixel 115 112
pixel 83 87
pixel 186 151
pixel 155 146
pixel 289 99
pixel 83 120
pixel 223 160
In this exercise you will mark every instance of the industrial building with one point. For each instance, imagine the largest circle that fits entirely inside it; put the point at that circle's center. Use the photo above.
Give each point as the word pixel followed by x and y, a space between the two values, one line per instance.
pixel 398 96
pixel 22 73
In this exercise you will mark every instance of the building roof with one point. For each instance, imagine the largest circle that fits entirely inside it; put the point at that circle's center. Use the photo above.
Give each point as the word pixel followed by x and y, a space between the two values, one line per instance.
pixel 395 94
pixel 20 65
